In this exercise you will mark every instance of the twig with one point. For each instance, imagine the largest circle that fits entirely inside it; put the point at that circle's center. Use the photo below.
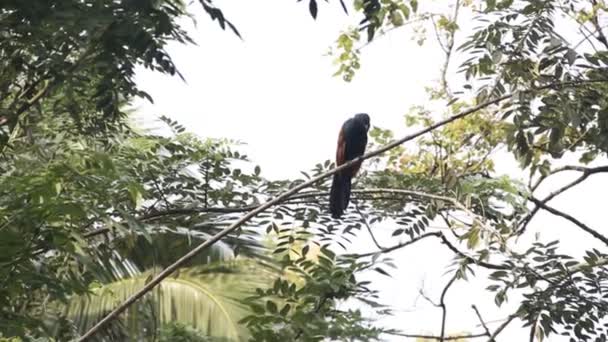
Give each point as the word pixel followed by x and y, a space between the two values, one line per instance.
pixel 442 237
pixel 399 246
pixel 427 298
pixel 600 34
pixel 431 337
pixel 581 225
pixel 369 229
pixel 423 17
pixel 444 310
pixel 589 170
pixel 501 328
pixel 483 324
pixel 280 198
pixel 586 173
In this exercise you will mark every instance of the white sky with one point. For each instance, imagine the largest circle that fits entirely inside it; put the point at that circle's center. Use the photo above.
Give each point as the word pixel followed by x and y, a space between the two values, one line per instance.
pixel 274 91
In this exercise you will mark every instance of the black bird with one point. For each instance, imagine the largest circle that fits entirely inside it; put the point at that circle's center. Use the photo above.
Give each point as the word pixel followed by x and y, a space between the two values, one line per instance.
pixel 351 144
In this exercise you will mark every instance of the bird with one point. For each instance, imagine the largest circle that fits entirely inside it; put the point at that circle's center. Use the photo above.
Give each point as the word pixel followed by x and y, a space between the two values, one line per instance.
pixel 352 141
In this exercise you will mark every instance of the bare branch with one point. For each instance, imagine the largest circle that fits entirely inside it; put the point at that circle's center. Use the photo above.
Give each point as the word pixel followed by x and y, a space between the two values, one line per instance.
pixel 400 245
pixel 483 324
pixel 588 170
pixel 596 24
pixel 369 229
pixel 581 225
pixel 431 337
pixel 469 258
pixel 444 310
pixel 523 223
pixel 501 328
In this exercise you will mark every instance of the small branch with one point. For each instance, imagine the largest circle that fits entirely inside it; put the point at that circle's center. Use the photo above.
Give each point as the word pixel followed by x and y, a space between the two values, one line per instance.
pixel 596 24
pixel 501 328
pixel 423 17
pixel 469 258
pixel 586 173
pixel 423 295
pixel 160 191
pixel 443 307
pixel 399 246
pixel 483 324
pixel 431 337
pixel 588 170
pixel 581 225
pixel 369 229
pixel 445 241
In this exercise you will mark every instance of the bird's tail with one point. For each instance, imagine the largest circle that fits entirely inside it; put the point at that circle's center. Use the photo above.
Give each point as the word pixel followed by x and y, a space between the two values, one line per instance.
pixel 339 195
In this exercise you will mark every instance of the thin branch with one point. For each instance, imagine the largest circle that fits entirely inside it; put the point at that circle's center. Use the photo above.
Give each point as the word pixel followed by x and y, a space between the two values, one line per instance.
pixel 160 191
pixel 441 45
pixel 431 337
pixel 596 24
pixel 588 170
pixel 369 229
pixel 501 328
pixel 448 52
pixel 282 197
pixel 400 245
pixel 444 310
pixel 427 298
pixel 581 225
pixel 586 173
pixel 445 241
pixel 483 324
pixel 423 17
pixel 469 258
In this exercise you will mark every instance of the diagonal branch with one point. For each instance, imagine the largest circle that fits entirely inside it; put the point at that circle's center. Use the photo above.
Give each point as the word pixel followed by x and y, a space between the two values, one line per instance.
pixel 586 173
pixel 501 328
pixel 369 229
pixel 282 197
pixel 483 324
pixel 581 225
pixel 585 170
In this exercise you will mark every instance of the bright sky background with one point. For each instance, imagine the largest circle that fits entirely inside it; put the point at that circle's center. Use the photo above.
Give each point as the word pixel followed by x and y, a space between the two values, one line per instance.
pixel 274 91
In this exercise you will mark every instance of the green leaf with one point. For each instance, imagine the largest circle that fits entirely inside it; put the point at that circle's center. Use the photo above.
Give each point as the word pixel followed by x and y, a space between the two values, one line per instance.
pixel 271 307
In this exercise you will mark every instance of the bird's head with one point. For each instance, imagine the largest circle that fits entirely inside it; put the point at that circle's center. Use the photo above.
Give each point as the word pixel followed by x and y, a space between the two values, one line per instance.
pixel 363 119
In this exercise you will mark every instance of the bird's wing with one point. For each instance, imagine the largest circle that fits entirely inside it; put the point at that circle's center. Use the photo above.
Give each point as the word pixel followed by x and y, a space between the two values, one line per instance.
pixel 341 149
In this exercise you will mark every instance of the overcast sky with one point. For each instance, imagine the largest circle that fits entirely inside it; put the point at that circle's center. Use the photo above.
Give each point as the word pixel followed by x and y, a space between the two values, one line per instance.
pixel 275 91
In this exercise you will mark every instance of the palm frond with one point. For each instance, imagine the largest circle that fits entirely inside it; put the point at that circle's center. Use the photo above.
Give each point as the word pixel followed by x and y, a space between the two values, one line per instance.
pixel 207 298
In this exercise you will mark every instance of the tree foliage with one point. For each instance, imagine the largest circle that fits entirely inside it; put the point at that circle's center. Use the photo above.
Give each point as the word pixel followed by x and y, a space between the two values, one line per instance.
pixel 87 200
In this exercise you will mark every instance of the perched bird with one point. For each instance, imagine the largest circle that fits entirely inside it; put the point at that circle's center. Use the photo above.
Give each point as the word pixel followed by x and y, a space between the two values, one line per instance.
pixel 351 144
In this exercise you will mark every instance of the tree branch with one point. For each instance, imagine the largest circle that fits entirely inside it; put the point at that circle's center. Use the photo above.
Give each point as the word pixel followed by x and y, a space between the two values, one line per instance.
pixel 287 194
pixel 501 328
pixel 586 173
pixel 588 170
pixel 444 311
pixel 431 337
pixel 369 229
pixel 581 225
pixel 483 324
